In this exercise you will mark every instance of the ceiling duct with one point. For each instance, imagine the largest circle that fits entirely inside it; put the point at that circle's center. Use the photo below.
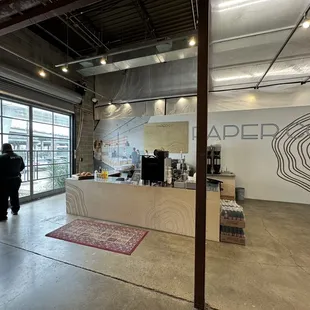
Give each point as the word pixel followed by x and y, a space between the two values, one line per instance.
pixel 163 48
pixel 150 55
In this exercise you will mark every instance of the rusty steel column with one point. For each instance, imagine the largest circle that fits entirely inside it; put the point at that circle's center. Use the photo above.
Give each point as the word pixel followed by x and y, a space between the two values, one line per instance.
pixel 201 157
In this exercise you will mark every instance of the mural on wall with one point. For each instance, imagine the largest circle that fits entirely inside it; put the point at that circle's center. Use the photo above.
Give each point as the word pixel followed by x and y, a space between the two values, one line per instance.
pixel 171 136
pixel 267 149
pixel 118 144
pixel 292 141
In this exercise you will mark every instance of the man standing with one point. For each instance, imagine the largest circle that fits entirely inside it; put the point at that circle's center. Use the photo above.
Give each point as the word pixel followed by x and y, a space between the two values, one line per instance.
pixel 134 157
pixel 11 166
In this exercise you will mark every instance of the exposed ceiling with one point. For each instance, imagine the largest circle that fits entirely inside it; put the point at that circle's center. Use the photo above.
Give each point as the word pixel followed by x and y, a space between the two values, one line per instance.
pixel 247 35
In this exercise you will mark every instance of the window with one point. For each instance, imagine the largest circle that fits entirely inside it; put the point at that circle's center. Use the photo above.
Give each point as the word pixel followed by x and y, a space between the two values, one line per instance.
pixel 46 150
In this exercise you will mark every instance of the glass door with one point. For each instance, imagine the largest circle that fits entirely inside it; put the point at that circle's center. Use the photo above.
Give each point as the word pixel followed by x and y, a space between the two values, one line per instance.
pixel 43 139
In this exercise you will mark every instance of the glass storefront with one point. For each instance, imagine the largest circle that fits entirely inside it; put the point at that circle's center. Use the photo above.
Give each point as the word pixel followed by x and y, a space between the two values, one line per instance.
pixel 43 139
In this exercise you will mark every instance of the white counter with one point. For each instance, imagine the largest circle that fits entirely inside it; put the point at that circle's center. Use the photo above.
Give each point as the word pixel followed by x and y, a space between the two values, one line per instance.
pixel 160 208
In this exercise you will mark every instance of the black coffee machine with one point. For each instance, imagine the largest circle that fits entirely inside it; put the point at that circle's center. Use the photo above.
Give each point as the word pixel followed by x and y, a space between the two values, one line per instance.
pixel 153 167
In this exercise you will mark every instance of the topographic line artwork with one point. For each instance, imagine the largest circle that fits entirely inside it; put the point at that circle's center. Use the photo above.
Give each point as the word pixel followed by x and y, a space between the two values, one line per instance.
pixel 291 146
pixel 75 200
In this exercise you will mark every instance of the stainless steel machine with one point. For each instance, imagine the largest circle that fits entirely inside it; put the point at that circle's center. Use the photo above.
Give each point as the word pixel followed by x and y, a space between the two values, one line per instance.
pixel 214 159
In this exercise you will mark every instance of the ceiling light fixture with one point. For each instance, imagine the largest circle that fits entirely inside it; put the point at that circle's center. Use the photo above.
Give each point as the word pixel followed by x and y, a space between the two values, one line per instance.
pixel 192 42
pixel 306 24
pixel 65 69
pixel 42 73
pixel 103 61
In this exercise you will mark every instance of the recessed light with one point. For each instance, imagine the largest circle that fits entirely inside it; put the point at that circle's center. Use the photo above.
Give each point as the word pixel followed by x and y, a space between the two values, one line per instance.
pixel 103 61
pixel 42 73
pixel 192 42
pixel 65 69
pixel 306 24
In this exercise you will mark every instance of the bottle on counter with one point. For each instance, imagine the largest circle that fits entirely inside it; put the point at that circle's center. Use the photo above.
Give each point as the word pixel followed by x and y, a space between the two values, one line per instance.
pixel 95 175
pixel 105 174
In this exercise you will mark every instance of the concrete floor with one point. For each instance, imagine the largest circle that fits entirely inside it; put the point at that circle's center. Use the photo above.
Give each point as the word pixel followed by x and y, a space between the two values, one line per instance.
pixel 271 272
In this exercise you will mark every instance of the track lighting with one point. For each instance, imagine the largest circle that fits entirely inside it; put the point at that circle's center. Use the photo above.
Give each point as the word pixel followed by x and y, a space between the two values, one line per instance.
pixel 306 24
pixel 65 69
pixel 42 73
pixel 103 61
pixel 192 42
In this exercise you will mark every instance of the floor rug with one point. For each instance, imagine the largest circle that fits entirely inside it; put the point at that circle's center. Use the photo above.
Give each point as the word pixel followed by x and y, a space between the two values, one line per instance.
pixel 114 238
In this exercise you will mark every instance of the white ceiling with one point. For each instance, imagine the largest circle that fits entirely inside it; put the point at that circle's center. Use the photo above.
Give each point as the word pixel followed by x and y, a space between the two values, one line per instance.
pixel 246 36
pixel 264 98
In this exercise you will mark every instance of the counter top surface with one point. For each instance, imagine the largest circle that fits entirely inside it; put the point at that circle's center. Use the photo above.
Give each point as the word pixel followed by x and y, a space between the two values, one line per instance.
pixel 223 174
pixel 113 180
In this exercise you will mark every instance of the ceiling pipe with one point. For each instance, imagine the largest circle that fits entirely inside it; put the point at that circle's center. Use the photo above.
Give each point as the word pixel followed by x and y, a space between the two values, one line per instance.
pixel 284 45
pixel 193 12
pixel 68 25
pixel 254 88
pixel 77 32
pixel 255 34
pixel 76 20
pixel 132 48
pixel 197 11
pixel 195 94
pixel 60 41
pixel 51 72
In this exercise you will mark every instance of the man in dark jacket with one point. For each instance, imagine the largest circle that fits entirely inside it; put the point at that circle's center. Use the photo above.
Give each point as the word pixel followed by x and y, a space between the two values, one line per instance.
pixel 11 166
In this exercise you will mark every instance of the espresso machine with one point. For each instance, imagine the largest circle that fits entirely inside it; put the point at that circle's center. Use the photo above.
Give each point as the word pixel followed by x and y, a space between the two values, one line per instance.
pixel 155 167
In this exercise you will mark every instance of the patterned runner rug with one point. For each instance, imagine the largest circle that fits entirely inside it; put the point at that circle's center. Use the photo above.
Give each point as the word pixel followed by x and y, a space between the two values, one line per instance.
pixel 114 238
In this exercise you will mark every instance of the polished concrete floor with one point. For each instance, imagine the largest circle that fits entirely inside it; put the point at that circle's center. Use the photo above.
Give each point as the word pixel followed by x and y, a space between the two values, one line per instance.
pixel 271 272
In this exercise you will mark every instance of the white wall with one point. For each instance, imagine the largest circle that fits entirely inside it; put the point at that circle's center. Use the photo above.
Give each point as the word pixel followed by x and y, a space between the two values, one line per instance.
pixel 248 153
pixel 253 160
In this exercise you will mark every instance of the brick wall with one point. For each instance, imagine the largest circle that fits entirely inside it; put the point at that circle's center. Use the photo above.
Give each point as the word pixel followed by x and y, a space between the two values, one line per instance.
pixel 84 133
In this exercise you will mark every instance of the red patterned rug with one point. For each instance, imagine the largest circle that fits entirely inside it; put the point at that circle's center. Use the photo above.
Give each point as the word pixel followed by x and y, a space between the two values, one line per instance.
pixel 114 238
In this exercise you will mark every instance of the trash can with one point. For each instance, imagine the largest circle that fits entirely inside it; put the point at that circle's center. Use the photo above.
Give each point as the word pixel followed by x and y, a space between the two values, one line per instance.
pixel 240 192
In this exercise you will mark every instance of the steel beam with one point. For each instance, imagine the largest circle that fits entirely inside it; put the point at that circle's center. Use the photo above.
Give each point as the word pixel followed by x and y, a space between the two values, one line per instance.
pixel 201 151
pixel 41 13
pixel 145 17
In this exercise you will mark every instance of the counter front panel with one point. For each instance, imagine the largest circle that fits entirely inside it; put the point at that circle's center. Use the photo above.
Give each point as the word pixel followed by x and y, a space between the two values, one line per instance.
pixel 160 208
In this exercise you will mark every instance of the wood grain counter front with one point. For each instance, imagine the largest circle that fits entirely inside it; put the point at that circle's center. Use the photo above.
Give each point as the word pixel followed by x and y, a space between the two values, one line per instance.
pixel 160 208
